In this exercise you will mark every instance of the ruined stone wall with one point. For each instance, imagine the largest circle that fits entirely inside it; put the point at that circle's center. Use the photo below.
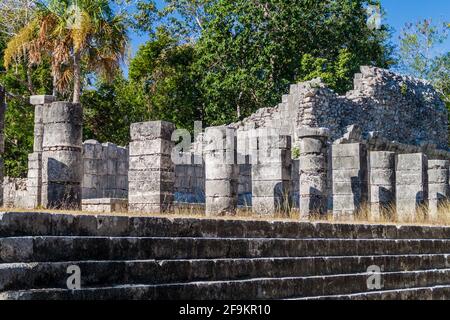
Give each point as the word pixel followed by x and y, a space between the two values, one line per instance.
pixel 15 193
pixel 105 168
pixel 400 108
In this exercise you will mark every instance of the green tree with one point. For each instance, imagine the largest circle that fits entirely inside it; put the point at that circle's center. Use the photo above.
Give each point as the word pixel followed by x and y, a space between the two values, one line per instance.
pixel 75 35
pixel 110 108
pixel 163 68
pixel 250 51
pixel 420 56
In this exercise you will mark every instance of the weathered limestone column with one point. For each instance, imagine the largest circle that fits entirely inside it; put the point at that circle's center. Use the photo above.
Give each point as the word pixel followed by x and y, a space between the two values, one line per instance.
pixel 381 182
pixel 62 163
pixel 412 184
pixel 313 145
pixel 437 186
pixel 151 173
pixel 271 175
pixel 221 171
pixel 349 178
pixel 34 178
pixel 38 102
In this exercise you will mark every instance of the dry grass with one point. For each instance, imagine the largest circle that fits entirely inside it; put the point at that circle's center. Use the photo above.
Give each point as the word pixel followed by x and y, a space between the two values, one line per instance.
pixel 364 216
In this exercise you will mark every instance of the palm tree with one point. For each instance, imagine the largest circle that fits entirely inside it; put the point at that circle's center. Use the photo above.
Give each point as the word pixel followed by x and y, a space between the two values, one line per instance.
pixel 78 36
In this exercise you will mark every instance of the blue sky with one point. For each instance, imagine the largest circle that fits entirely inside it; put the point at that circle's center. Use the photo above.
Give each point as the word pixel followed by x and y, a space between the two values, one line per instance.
pixel 398 12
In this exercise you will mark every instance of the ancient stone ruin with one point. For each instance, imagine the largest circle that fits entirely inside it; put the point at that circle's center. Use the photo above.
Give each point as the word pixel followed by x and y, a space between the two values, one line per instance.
pixel 382 145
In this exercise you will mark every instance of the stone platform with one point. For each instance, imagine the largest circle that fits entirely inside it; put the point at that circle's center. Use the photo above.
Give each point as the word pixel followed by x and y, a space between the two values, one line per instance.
pixel 124 257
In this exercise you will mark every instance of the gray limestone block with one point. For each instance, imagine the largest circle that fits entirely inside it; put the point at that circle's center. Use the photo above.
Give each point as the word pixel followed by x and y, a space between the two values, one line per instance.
pixel 438 164
pixel 304 132
pixel 149 175
pixel 41 99
pixel 312 145
pixel 265 206
pixel 112 166
pixel 437 191
pixel 347 150
pixel 411 192
pixel 111 150
pixel 122 182
pixel 382 160
pixel 410 178
pixel 122 167
pixel 221 188
pixel 271 171
pixel 314 163
pixel 312 204
pixel 347 163
pixel 383 194
pixel 151 198
pixel 92 181
pixel 278 189
pixel 438 176
pixel 346 203
pixel 221 171
pixel 150 207
pixel 152 130
pixel 382 177
pixel 413 161
pixel 346 175
pixel 220 206
pixel 90 166
pixel 62 166
pixel 150 187
pixel 62 134
pixel 61 111
pixel 313 184
pixel 162 161
pixel 92 149
pixel 347 188
pixel 151 147
pixel 89 193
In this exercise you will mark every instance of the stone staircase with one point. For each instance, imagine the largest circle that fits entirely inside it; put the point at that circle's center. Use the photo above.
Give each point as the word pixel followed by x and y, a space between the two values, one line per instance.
pixel 159 258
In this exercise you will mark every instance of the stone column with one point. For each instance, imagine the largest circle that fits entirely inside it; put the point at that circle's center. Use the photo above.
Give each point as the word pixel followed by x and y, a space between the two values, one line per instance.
pixel 349 178
pixel 412 184
pixel 151 173
pixel 62 163
pixel 437 186
pixel 34 179
pixel 381 183
pixel 271 174
pixel 313 145
pixel 221 171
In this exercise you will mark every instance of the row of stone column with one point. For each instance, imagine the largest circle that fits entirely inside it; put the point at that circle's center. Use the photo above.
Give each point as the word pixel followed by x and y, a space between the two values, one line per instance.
pixel 403 183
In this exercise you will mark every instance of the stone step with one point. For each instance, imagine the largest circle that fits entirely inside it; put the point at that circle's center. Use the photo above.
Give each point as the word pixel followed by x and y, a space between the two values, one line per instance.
pixel 48 224
pixel 53 249
pixel 262 288
pixel 20 276
pixel 424 293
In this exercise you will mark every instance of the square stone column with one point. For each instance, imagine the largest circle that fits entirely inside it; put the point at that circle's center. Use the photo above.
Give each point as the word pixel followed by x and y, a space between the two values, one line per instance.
pixel 271 174
pixel 151 173
pixel 437 186
pixel 313 167
pixel 411 185
pixel 349 179
pixel 221 171
pixel 34 181
pixel 381 183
